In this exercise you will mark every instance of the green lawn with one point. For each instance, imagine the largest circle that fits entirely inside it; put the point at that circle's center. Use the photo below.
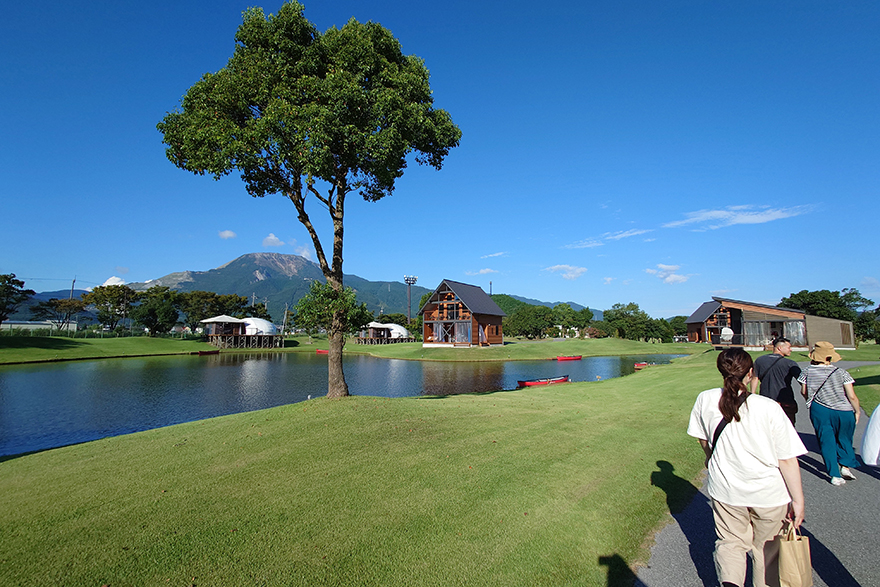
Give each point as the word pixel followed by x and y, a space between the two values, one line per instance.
pixel 26 349
pixel 867 386
pixel 546 486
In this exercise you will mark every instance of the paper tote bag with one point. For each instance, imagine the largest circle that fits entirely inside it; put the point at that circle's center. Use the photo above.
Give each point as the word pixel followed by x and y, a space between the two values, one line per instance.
pixel 795 569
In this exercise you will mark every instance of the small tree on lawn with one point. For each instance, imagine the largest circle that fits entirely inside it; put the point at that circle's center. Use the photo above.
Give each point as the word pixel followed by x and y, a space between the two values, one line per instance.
pixel 157 311
pixel 324 304
pixel 296 112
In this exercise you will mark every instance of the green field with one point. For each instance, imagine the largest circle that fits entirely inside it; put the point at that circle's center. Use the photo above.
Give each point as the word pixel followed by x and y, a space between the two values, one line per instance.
pixel 867 386
pixel 35 349
pixel 551 486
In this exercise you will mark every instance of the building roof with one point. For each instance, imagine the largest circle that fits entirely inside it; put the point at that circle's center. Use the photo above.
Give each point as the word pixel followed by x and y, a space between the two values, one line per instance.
pixel 724 300
pixel 472 296
pixel 703 312
pixel 223 319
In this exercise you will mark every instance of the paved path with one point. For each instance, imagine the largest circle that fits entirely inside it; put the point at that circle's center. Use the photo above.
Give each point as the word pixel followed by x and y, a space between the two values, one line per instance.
pixel 843 524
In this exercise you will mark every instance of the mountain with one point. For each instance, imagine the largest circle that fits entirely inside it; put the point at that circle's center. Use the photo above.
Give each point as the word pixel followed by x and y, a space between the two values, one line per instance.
pixel 597 314
pixel 281 280
pixel 24 310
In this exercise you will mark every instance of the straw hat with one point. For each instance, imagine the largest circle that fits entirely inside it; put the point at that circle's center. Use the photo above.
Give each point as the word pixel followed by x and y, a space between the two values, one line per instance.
pixel 823 352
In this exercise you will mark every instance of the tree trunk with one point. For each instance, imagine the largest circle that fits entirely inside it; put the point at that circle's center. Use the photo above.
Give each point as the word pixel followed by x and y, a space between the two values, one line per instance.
pixel 336 385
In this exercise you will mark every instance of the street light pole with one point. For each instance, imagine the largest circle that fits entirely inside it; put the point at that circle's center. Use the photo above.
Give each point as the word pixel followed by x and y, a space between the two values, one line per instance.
pixel 410 281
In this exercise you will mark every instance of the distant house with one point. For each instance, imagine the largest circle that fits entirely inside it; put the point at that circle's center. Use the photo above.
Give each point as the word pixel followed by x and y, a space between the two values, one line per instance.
pixel 725 322
pixel 458 314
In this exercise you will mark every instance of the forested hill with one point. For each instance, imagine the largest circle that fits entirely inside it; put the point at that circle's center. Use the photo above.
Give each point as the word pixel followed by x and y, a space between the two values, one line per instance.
pixel 509 304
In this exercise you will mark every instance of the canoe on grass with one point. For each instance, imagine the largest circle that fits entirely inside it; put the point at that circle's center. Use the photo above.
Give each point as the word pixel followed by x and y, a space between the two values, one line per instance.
pixel 322 352
pixel 640 366
pixel 548 381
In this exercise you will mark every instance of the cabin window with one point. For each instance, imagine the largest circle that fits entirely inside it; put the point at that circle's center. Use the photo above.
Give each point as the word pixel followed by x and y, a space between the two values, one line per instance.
pixel 452 311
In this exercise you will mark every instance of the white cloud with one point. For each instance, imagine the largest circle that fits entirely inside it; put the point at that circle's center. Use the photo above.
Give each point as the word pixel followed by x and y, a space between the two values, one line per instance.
pixel 114 281
pixel 616 236
pixel 481 272
pixel 732 215
pixel 272 241
pixel 568 271
pixel 303 251
pixel 667 273
pixel 226 234
pixel 607 280
pixel 584 244
pixel 122 270
pixel 501 254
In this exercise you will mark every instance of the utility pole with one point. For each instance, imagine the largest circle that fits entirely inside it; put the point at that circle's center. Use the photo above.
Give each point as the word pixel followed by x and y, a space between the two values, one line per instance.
pixel 71 287
pixel 410 281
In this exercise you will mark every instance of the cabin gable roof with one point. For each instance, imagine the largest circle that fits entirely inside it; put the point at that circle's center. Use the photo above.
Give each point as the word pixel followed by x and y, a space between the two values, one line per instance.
pixel 472 296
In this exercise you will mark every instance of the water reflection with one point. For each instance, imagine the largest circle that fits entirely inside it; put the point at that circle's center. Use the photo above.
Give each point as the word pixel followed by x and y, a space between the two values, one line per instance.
pixel 44 406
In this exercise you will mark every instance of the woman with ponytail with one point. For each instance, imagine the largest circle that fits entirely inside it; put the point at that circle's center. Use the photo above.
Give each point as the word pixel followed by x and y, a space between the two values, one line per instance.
pixel 754 477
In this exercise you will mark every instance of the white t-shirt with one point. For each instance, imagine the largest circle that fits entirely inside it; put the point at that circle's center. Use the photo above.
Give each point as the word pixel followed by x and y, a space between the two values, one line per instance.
pixel 744 470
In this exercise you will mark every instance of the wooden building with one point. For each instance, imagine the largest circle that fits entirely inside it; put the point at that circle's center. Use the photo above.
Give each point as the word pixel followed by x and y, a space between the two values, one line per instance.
pixel 460 315
pixel 724 322
pixel 226 332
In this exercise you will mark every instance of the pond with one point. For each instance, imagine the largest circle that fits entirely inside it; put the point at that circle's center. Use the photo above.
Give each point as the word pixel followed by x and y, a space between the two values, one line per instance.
pixel 51 405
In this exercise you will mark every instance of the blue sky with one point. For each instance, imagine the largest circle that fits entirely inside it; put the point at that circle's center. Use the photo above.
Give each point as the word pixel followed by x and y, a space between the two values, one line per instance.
pixel 650 152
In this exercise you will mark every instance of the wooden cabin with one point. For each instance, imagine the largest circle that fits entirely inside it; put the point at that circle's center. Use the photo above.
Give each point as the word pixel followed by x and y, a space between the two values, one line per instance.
pixel 460 315
pixel 724 323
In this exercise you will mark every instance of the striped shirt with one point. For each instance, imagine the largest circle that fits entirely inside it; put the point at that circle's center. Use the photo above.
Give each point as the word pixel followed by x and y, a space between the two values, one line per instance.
pixel 825 386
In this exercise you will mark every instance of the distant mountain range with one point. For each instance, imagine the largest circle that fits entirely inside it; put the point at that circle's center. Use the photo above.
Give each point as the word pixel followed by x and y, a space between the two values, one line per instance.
pixel 280 281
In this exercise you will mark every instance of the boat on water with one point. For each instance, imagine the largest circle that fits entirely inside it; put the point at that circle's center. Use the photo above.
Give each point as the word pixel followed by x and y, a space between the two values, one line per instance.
pixel 547 381
pixel 203 353
pixel 569 357
pixel 640 366
pixel 322 352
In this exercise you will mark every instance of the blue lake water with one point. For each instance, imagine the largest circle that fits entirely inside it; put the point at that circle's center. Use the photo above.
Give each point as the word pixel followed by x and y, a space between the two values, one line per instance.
pixel 50 405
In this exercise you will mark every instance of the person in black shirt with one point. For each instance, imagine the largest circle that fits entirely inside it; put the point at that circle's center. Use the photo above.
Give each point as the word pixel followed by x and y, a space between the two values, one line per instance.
pixel 775 373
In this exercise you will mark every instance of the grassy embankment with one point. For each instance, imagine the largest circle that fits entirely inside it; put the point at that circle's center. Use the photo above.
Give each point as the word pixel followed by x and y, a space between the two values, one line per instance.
pixel 35 349
pixel 867 386
pixel 551 486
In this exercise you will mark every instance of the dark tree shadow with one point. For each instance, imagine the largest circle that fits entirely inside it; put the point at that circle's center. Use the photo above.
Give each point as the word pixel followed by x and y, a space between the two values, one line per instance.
pixel 826 565
pixel 619 573
pixel 692 511
pixel 51 343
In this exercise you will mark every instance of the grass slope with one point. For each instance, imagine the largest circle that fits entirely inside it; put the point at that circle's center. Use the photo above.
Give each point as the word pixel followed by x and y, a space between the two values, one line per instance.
pixel 867 386
pixel 552 486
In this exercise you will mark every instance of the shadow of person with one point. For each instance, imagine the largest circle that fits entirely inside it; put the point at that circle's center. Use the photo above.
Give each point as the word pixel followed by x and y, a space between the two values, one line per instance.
pixel 826 565
pixel 692 511
pixel 619 573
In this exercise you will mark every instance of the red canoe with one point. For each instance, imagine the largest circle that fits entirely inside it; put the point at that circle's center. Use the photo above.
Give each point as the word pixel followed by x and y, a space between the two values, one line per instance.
pixel 548 381
pixel 322 351
pixel 640 366
pixel 569 357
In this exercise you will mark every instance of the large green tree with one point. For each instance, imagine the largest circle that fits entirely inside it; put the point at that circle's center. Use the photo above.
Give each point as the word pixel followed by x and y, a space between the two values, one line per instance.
pixel 529 321
pixel 842 305
pixel 157 311
pixel 12 295
pixel 310 115
pixel 629 320
pixel 112 303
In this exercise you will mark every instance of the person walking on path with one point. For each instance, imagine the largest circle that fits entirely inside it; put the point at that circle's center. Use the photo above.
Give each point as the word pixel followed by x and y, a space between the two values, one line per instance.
pixel 775 373
pixel 754 477
pixel 834 411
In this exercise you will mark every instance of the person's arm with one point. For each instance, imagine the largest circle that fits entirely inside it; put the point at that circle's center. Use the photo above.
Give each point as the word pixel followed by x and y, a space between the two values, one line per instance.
pixel 853 399
pixel 706 449
pixel 804 390
pixel 791 474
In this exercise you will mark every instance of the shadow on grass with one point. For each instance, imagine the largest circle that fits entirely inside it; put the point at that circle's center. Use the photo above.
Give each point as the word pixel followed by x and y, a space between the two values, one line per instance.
pixel 37 342
pixel 692 512
pixel 871 380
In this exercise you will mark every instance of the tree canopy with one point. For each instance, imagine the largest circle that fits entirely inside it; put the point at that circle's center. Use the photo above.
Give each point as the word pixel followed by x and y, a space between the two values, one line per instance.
pixel 112 303
pixel 842 305
pixel 59 312
pixel 157 310
pixel 300 113
pixel 324 304
pixel 12 295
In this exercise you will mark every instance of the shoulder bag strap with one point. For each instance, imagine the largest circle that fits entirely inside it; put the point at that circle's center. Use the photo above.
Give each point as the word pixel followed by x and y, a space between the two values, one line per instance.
pixel 718 429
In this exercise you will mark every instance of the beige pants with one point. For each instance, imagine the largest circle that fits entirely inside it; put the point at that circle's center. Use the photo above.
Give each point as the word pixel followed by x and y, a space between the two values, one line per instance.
pixel 746 530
